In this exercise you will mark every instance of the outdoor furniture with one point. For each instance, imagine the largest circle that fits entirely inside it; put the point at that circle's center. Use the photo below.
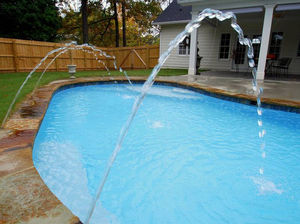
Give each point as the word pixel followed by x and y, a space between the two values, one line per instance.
pixel 269 65
pixel 271 59
pixel 282 66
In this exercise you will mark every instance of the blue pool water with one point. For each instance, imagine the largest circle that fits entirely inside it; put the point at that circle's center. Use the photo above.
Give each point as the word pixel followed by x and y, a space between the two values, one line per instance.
pixel 187 158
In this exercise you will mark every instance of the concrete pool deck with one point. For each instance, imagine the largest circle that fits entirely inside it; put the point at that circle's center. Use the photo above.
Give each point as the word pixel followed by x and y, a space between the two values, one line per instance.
pixel 24 198
pixel 241 83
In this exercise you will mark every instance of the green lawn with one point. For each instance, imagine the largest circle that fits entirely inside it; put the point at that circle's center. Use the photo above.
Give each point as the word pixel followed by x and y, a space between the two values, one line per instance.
pixel 10 83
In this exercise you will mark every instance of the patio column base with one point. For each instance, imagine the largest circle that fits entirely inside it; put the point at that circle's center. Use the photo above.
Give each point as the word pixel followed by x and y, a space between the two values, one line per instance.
pixel 260 75
pixel 192 71
pixel 191 78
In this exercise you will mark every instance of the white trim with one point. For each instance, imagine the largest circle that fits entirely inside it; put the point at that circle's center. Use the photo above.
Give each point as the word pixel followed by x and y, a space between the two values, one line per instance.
pixel 229 4
pixel 287 7
pixel 187 49
pixel 245 10
pixel 229 46
pixel 264 46
pixel 171 22
pixel 193 49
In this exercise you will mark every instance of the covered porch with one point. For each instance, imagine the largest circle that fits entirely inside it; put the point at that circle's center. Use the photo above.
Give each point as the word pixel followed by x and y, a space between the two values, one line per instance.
pixel 276 57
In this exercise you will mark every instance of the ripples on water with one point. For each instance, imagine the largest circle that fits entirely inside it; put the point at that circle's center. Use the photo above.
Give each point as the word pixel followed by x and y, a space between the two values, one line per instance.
pixel 188 158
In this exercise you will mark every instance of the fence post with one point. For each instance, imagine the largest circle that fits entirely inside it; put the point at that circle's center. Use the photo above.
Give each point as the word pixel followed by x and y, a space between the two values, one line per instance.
pixel 132 60
pixel 116 54
pixel 15 55
pixel 84 60
pixel 147 57
pixel 56 62
pixel 107 59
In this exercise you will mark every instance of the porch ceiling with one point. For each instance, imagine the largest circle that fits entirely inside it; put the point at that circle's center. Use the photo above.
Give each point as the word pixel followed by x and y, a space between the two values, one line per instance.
pixel 234 4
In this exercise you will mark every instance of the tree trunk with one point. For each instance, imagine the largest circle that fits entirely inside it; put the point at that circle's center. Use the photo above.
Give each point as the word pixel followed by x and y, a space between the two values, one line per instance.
pixel 124 23
pixel 116 23
pixel 85 35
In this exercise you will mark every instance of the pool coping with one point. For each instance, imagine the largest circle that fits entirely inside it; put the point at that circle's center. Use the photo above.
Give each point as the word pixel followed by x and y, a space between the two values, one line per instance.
pixel 24 196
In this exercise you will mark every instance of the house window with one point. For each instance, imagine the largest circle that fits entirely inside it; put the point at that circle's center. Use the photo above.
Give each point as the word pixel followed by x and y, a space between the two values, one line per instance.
pixel 239 53
pixel 276 43
pixel 298 51
pixel 224 46
pixel 184 46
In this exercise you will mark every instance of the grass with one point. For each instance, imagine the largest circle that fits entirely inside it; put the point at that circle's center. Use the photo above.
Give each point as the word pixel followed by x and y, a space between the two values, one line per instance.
pixel 10 83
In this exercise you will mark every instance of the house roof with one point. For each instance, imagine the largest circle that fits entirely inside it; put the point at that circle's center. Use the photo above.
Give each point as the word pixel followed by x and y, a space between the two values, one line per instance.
pixel 174 13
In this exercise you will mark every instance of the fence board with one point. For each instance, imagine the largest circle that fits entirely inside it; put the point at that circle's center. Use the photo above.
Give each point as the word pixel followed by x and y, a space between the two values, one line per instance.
pixel 23 55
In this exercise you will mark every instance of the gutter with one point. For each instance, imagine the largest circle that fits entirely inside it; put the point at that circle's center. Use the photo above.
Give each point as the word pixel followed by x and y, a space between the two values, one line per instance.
pixel 171 22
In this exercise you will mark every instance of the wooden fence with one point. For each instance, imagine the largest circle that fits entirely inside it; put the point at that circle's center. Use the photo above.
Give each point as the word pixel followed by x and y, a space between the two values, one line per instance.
pixel 24 55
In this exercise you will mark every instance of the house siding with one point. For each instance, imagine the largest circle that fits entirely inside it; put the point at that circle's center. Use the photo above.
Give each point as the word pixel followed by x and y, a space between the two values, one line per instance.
pixel 209 43
pixel 167 34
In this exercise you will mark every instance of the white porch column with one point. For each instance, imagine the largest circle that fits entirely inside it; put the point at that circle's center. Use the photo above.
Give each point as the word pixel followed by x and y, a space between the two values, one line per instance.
pixel 193 49
pixel 264 46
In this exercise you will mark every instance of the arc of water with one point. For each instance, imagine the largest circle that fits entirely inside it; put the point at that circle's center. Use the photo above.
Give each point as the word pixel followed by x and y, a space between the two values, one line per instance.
pixel 49 64
pixel 114 61
pixel 62 52
pixel 206 13
pixel 25 81
pixel 68 46
pixel 102 53
pixel 88 51
pixel 98 60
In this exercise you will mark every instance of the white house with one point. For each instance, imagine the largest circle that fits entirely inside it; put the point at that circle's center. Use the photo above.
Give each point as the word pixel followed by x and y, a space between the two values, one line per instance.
pixel 276 22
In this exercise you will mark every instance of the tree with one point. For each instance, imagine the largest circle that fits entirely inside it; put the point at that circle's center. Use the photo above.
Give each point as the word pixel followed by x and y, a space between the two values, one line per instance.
pixel 28 19
pixel 139 17
pixel 85 35
pixel 116 22
pixel 103 22
pixel 124 22
pixel 101 28
pixel 144 13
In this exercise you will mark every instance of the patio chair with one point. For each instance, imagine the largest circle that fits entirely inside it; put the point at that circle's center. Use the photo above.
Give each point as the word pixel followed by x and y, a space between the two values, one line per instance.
pixel 282 66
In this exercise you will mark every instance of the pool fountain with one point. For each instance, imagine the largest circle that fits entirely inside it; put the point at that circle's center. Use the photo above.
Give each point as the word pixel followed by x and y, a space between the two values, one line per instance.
pixel 190 27
pixel 187 157
pixel 90 49
pixel 73 160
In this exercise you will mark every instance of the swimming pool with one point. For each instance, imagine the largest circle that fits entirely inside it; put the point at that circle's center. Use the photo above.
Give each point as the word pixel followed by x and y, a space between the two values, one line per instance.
pixel 188 157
